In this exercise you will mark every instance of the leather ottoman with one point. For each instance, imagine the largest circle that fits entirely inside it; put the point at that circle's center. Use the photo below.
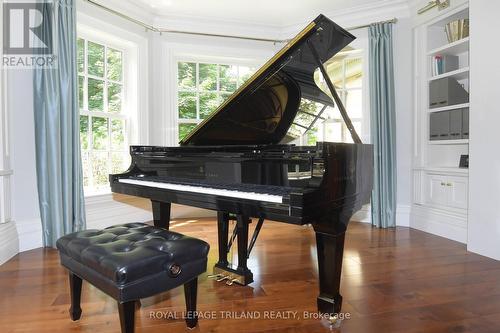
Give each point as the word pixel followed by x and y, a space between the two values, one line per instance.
pixel 133 261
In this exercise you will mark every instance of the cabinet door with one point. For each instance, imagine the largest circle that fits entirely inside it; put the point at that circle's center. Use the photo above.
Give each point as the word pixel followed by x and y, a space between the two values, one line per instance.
pixel 458 192
pixel 437 191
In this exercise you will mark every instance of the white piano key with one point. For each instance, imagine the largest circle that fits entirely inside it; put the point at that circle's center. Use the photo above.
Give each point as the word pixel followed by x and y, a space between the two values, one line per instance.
pixel 207 190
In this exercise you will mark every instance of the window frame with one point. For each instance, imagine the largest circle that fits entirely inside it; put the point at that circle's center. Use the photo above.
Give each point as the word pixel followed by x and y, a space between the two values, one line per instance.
pixel 105 113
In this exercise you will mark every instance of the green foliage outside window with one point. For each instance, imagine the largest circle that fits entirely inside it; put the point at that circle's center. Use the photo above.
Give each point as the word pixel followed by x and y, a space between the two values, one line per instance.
pixel 95 90
pixel 187 75
pixel 184 129
pixel 187 105
pixel 114 58
pixel 202 87
pixel 102 121
pixel 95 59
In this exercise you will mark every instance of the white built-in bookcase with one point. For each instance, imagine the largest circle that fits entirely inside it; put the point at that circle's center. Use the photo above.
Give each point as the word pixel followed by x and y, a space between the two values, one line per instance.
pixel 440 186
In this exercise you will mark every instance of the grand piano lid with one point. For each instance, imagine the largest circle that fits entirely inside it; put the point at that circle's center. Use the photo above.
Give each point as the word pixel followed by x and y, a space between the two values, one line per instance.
pixel 262 110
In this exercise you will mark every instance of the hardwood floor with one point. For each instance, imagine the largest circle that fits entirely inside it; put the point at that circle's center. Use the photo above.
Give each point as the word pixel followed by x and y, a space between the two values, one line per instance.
pixel 398 280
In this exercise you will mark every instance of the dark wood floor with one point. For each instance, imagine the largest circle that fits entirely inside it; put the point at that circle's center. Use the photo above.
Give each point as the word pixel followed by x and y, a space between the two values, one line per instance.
pixel 398 280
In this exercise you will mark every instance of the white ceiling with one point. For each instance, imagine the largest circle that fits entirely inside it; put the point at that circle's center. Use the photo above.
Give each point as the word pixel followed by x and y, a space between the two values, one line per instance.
pixel 267 12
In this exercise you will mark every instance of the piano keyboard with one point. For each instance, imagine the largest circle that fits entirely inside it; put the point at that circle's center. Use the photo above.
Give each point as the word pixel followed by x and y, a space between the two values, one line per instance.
pixel 206 189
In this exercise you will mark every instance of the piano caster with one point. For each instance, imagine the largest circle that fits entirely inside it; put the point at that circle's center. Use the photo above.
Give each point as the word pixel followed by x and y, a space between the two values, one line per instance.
pixel 333 321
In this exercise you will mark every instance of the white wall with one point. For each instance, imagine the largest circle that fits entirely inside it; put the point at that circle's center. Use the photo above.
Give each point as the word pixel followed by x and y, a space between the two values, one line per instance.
pixel 25 210
pixel 9 241
pixel 484 169
pixel 403 90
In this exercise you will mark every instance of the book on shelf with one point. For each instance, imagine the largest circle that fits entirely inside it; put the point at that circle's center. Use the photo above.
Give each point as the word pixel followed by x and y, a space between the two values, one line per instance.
pixel 457 30
pixel 443 64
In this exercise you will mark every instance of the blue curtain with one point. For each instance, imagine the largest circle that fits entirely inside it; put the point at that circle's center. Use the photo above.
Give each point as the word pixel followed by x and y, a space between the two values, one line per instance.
pixel 58 160
pixel 383 124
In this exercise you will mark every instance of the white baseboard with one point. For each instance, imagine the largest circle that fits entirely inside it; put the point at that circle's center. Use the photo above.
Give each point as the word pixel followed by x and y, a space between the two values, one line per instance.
pixel 30 234
pixel 439 222
pixel 9 241
pixel 102 211
pixel 402 215
pixel 363 215
pixel 110 209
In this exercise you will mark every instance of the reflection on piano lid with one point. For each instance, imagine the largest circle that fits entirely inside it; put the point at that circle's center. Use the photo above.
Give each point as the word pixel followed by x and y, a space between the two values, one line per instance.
pixel 264 107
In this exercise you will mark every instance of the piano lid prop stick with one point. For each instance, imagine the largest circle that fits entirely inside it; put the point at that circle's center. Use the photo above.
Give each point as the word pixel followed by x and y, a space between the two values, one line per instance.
pixel 335 95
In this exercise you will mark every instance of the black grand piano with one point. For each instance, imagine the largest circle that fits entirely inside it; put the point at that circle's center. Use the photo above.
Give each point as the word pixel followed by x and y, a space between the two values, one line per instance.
pixel 237 162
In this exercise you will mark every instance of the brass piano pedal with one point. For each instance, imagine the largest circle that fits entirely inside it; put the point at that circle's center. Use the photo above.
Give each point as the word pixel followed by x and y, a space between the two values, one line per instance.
pixel 231 281
pixel 222 278
pixel 214 276
pixel 334 321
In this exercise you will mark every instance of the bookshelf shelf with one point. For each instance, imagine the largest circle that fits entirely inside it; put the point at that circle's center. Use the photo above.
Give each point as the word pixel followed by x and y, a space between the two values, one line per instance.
pixel 447 169
pixel 458 47
pixel 449 142
pixel 459 74
pixel 449 107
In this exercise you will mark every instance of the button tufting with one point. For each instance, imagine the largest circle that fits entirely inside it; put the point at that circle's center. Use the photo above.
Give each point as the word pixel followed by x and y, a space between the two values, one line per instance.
pixel 155 251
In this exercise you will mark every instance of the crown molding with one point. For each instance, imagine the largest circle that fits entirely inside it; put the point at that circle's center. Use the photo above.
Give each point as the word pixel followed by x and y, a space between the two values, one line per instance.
pixel 363 14
pixel 129 8
pixel 218 26
pixel 359 15
pixel 399 7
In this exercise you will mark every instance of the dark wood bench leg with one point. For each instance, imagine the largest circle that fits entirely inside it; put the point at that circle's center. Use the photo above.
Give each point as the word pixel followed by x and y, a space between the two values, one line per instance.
pixel 190 292
pixel 75 287
pixel 127 316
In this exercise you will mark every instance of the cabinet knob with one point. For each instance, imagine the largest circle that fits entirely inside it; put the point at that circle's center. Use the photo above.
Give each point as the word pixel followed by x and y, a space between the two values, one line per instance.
pixel 443 184
pixel 449 184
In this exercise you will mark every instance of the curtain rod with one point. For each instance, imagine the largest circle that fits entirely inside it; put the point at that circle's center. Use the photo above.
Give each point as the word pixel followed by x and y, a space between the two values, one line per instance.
pixel 162 30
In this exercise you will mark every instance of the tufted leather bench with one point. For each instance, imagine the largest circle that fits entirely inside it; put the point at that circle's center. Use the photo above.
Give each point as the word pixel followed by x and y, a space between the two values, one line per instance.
pixel 133 261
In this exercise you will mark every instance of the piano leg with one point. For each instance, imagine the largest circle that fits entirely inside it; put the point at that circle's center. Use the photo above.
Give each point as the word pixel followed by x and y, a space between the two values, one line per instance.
pixel 241 275
pixel 330 247
pixel 222 232
pixel 161 214
pixel 242 227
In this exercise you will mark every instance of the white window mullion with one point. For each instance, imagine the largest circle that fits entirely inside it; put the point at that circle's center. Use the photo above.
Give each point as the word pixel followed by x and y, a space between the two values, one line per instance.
pixel 91 153
pixel 197 86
